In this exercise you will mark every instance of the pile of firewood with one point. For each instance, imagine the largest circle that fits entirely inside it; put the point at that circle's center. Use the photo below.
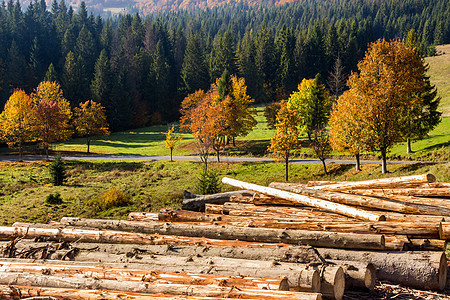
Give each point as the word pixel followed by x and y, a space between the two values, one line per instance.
pixel 285 241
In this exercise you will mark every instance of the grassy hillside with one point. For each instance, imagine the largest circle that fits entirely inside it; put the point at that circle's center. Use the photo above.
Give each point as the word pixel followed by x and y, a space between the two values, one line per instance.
pixel 24 187
pixel 439 73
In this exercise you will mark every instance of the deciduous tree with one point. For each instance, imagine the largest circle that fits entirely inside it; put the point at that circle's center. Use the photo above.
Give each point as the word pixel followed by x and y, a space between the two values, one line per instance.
pixel 52 114
pixel 90 120
pixel 16 121
pixel 285 139
pixel 171 140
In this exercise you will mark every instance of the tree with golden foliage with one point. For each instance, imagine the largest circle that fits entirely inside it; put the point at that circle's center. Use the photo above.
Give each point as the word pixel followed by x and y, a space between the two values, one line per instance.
pixel 347 131
pixel 90 121
pixel 389 82
pixel 16 121
pixel 52 115
pixel 172 139
pixel 285 139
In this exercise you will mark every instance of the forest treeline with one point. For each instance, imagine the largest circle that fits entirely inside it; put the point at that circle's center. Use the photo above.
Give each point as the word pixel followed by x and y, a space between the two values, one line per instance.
pixel 141 68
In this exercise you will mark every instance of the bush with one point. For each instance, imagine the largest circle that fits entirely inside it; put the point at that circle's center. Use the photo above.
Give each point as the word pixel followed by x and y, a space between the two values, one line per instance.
pixel 109 199
pixel 208 183
pixel 54 199
pixel 57 171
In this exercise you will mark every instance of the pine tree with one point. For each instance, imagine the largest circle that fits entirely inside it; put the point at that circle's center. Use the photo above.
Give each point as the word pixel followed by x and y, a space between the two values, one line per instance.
pixel 51 74
pixel 101 83
pixel 194 72
pixel 287 69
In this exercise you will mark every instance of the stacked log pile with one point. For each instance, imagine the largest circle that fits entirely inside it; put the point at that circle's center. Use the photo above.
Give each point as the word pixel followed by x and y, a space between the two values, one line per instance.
pixel 285 241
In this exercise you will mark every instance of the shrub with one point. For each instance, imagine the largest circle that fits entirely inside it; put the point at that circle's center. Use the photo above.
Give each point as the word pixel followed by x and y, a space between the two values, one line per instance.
pixel 110 199
pixel 54 199
pixel 57 171
pixel 208 183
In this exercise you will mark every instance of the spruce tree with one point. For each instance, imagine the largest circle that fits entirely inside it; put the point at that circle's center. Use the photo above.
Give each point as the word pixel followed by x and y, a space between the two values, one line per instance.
pixel 194 72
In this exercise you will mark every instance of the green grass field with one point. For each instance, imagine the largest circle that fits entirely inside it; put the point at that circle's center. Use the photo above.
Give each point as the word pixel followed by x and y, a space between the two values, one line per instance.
pixel 24 187
pixel 439 73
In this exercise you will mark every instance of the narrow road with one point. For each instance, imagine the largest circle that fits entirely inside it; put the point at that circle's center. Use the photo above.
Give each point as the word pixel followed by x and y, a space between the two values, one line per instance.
pixel 188 158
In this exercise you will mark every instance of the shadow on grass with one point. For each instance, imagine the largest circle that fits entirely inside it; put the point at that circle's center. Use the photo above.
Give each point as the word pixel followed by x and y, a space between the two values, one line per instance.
pixel 107 166
pixel 437 146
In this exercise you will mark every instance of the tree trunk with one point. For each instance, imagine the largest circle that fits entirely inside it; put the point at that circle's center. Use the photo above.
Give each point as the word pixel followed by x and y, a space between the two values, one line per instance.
pixel 319 203
pixel 218 155
pixel 383 161
pixel 20 151
pixel 378 183
pixel 88 141
pixel 234 141
pixel 358 162
pixel 171 157
pixel 143 287
pixel 365 201
pixel 324 165
pixel 263 235
pixel 286 161
pixel 46 152
pixel 408 146
pixel 153 276
pixel 197 202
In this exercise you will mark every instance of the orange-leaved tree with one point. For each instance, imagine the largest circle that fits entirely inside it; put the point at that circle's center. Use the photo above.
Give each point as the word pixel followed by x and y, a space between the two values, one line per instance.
pixel 285 139
pixel 52 114
pixel 347 131
pixel 172 139
pixel 90 120
pixel 16 121
pixel 389 81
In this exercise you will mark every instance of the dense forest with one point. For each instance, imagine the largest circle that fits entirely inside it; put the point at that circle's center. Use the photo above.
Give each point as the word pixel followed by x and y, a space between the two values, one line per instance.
pixel 141 68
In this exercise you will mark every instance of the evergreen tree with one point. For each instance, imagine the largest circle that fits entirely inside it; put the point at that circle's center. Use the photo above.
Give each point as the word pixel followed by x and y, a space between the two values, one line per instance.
pixel 194 72
pixel 101 83
pixel 51 74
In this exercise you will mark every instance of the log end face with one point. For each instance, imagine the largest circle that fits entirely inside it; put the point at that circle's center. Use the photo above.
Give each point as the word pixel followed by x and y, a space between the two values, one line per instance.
pixel 284 285
pixel 339 284
pixel 431 178
pixel 370 277
pixel 316 282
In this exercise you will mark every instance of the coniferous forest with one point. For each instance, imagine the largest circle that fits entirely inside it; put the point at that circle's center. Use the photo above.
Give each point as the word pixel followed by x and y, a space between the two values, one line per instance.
pixel 141 67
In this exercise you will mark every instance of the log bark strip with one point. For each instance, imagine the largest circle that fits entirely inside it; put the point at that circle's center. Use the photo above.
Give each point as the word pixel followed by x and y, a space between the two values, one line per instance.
pixel 152 276
pixel 143 287
pixel 263 235
pixel 365 201
pixel 314 202
pixel 379 183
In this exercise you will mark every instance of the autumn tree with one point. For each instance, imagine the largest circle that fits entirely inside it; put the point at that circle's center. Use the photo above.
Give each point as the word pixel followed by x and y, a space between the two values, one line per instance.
pixel 270 113
pixel 171 140
pixel 52 115
pixel 90 120
pixel 16 121
pixel 321 146
pixel 347 131
pixel 390 81
pixel 312 103
pixel 285 139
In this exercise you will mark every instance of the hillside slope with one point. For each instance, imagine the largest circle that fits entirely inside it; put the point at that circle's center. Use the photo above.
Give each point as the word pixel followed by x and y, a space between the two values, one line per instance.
pixel 439 73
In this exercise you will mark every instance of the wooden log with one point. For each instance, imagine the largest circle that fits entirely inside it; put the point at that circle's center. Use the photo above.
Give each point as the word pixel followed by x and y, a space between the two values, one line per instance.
pixel 299 277
pixel 359 275
pixel 10 292
pixel 172 215
pixel 333 281
pixel 365 201
pixel 423 270
pixel 152 276
pixel 304 237
pixel 314 202
pixel 378 183
pixel 143 216
pixel 445 231
pixel 417 192
pixel 425 245
pixel 197 202
pixel 143 287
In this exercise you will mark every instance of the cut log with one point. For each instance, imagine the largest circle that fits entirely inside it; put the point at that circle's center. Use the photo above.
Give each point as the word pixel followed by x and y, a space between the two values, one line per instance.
pixel 359 275
pixel 143 287
pixel 445 231
pixel 264 235
pixel 299 277
pixel 197 202
pixel 379 183
pixel 425 245
pixel 333 281
pixel 143 216
pixel 314 202
pixel 366 201
pixel 417 192
pixel 152 276
pixel 172 215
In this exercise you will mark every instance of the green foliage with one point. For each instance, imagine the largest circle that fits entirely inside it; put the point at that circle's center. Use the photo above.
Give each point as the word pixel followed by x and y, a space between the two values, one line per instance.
pixel 109 199
pixel 208 183
pixel 57 171
pixel 54 199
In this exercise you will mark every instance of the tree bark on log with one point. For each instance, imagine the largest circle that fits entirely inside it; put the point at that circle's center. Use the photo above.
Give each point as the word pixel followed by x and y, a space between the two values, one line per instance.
pixel 197 202
pixel 299 277
pixel 359 275
pixel 263 235
pixel 143 287
pixel 314 202
pixel 378 183
pixel 143 216
pixel 417 192
pixel 365 201
pixel 152 276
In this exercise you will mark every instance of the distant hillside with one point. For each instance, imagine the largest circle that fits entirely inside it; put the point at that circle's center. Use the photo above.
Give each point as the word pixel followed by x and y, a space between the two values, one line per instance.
pixel 440 73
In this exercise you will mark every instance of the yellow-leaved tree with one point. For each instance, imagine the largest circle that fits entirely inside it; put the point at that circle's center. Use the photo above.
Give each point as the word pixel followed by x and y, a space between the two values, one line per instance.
pixel 16 121
pixel 172 139
pixel 285 139
pixel 52 115
pixel 90 121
